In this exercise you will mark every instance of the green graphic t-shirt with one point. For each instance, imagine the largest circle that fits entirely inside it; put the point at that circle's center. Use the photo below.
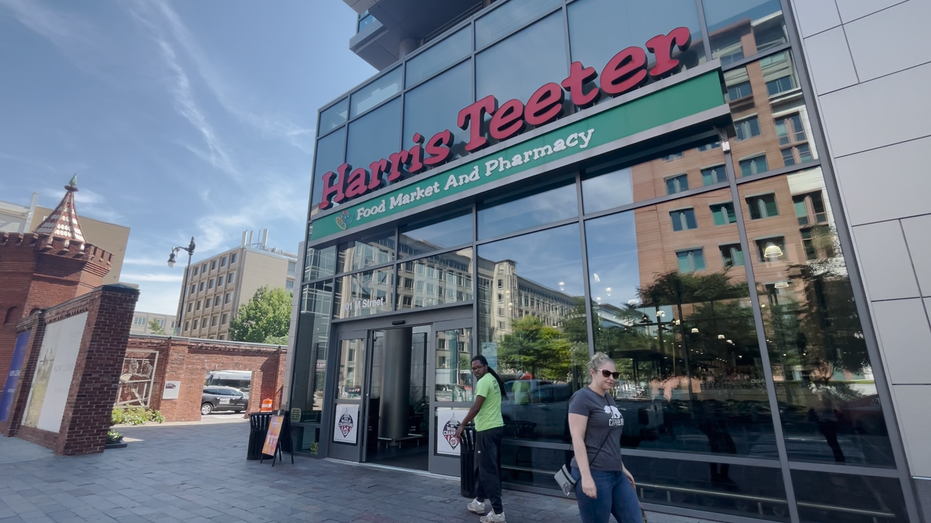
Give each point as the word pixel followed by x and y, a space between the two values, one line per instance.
pixel 489 416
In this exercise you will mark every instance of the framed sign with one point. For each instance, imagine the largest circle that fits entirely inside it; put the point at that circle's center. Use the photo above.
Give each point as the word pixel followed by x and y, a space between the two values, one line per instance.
pixel 447 421
pixel 274 432
pixel 12 379
pixel 346 427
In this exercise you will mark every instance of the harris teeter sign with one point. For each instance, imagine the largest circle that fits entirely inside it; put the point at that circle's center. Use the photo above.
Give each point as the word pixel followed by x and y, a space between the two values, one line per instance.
pixel 681 100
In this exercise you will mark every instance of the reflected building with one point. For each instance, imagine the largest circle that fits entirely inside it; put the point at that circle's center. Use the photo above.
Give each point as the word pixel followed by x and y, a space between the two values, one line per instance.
pixel 682 217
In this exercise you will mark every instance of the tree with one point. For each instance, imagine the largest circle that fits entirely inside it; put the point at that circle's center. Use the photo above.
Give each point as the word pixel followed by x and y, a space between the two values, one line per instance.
pixel 265 319
pixel 156 328
pixel 537 348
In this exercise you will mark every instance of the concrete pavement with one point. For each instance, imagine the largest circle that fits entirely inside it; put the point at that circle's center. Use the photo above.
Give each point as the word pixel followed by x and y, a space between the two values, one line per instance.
pixel 197 473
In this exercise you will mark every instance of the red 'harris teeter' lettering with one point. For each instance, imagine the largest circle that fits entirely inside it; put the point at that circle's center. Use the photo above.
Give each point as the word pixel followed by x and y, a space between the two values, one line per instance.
pixel 627 70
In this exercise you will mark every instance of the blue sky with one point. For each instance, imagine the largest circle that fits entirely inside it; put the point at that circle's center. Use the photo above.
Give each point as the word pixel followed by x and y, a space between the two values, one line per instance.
pixel 181 119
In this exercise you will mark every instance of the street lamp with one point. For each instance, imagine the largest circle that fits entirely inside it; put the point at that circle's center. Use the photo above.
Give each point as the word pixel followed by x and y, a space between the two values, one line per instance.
pixel 171 263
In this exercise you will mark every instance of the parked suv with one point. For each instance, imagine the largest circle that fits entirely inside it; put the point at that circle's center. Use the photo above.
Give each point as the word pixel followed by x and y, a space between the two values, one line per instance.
pixel 222 398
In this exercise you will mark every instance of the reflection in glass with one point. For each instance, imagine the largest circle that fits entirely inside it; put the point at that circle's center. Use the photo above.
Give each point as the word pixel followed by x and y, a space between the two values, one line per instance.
pixel 453 368
pixel 438 56
pixel 429 238
pixel 508 17
pixel 320 262
pixel 311 350
pixel 329 156
pixel 435 280
pixel 684 342
pixel 351 370
pixel 754 492
pixel 376 92
pixel 537 209
pixel 607 190
pixel 771 120
pixel 599 29
pixel 333 117
pixel 518 66
pixel 830 406
pixel 434 106
pixel 374 136
pixel 531 466
pixel 533 328
pixel 364 293
pixel 823 496
pixel 742 28
pixel 366 252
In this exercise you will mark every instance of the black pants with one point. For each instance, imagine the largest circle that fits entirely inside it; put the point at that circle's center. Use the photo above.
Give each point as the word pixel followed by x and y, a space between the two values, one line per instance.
pixel 488 459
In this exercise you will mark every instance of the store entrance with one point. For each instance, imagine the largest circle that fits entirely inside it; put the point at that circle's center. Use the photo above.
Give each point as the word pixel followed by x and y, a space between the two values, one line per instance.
pixel 399 388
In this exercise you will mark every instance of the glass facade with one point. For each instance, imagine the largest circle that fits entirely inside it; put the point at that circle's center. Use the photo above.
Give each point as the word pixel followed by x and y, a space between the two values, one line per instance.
pixel 711 271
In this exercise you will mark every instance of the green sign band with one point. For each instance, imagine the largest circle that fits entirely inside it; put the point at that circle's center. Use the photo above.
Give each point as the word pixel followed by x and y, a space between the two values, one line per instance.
pixel 678 101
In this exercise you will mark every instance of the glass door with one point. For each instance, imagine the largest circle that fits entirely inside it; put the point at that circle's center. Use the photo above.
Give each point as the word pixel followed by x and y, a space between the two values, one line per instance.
pixel 348 430
pixel 450 386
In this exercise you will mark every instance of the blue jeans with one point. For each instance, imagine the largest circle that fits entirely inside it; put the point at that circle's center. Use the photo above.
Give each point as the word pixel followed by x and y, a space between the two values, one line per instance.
pixel 615 496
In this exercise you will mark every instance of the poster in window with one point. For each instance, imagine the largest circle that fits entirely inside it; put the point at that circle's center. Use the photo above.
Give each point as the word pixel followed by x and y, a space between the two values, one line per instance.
pixel 346 427
pixel 447 421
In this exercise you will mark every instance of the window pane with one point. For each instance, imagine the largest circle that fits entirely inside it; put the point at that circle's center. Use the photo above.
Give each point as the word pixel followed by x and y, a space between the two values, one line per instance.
pixel 330 152
pixel 320 262
pixel 364 293
pixel 453 365
pixel 376 92
pixel 831 410
pixel 599 29
pixel 335 116
pixel 612 184
pixel 713 175
pixel 435 280
pixel 448 233
pixel 365 252
pixel 434 106
pixel 538 209
pixel 660 481
pixel 678 336
pixel 508 17
pixel 823 496
pixel 440 55
pixel 351 371
pixel 534 326
pixel 518 66
pixel 742 28
pixel 374 136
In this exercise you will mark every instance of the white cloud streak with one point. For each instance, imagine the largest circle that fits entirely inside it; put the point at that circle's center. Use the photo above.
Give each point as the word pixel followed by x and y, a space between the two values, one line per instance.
pixel 151 277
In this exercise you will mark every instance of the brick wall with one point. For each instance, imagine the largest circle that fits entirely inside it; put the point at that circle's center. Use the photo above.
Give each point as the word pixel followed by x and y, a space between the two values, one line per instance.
pixel 188 360
pixel 99 361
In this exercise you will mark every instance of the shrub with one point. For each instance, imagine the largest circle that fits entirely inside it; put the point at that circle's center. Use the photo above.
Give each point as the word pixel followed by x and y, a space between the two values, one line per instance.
pixel 114 437
pixel 135 416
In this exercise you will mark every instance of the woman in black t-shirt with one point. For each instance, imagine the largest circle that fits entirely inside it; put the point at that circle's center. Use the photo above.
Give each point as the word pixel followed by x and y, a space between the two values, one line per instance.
pixel 603 485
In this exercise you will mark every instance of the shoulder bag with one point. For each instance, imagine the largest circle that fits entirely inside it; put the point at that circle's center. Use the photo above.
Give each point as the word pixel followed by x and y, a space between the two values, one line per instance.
pixel 563 476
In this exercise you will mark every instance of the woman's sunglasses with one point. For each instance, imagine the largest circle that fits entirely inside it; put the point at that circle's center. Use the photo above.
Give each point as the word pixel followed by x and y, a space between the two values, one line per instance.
pixel 608 374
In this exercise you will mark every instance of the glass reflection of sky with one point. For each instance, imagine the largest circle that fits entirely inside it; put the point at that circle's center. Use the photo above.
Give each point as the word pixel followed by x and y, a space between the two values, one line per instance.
pixel 547 207
pixel 612 259
pixel 723 13
pixel 545 257
pixel 606 191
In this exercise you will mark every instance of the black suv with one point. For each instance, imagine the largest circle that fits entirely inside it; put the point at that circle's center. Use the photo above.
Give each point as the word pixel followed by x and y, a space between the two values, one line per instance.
pixel 222 398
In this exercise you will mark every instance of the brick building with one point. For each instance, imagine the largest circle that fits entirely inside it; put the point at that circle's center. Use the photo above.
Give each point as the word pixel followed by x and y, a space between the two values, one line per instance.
pixel 46 267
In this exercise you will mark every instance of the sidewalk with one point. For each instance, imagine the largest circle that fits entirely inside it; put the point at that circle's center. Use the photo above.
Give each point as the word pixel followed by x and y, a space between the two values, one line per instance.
pixel 197 473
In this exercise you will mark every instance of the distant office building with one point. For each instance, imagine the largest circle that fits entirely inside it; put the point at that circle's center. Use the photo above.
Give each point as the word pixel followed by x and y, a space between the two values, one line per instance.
pixel 15 217
pixel 141 321
pixel 217 286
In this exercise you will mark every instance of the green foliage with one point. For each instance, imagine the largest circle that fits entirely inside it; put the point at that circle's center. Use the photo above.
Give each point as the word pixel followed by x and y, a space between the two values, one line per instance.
pixel 135 416
pixel 114 436
pixel 542 350
pixel 156 328
pixel 265 319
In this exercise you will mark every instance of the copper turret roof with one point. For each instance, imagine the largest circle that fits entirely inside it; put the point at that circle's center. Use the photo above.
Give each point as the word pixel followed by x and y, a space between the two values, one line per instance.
pixel 63 222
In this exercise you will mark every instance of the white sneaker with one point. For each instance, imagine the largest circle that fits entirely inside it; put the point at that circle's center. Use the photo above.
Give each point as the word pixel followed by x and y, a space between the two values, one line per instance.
pixel 476 506
pixel 491 517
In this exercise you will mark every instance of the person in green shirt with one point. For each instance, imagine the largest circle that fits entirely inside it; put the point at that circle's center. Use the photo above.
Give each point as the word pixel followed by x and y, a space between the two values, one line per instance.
pixel 489 429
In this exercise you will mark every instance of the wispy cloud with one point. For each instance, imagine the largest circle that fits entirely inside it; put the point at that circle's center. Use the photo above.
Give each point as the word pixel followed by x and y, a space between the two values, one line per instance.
pixel 268 125
pixel 91 204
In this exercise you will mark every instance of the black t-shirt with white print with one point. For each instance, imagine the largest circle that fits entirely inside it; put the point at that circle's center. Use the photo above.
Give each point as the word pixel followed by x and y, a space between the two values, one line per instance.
pixel 605 425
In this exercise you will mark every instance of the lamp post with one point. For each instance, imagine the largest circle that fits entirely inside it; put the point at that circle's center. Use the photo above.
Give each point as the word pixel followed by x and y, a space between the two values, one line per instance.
pixel 171 263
